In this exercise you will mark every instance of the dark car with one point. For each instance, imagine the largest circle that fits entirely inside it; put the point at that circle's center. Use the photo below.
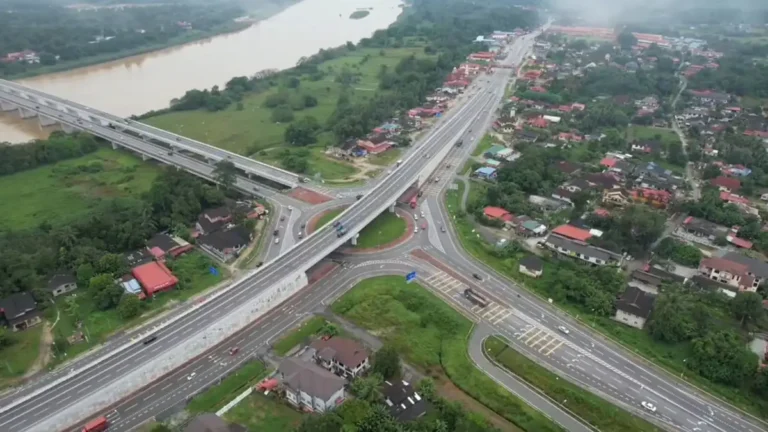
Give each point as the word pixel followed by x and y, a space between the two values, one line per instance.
pixel 359 196
pixel 149 340
pixel 276 232
pixel 477 276
pixel 336 224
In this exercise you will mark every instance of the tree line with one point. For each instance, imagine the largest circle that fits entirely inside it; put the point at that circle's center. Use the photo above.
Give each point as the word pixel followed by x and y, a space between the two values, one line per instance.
pixel 59 146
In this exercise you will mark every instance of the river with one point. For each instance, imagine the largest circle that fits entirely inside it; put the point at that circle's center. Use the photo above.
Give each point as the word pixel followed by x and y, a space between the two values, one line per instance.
pixel 135 85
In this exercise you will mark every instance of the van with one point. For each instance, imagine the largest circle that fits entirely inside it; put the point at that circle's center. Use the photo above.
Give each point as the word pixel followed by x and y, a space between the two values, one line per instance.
pixel 399 162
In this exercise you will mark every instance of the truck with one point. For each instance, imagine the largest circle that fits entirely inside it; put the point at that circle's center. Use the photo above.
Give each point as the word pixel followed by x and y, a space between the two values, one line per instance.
pixel 414 202
pixel 96 425
pixel 475 298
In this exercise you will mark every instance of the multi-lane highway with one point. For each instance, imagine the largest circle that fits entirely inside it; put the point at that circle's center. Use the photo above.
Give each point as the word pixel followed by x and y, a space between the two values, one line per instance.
pixel 34 407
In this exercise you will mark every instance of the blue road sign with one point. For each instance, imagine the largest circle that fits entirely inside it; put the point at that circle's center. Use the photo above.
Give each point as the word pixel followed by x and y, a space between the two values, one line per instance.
pixel 410 277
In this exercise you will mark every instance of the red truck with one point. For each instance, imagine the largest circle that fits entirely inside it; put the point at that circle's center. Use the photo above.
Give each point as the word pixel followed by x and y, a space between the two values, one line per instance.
pixel 414 202
pixel 96 425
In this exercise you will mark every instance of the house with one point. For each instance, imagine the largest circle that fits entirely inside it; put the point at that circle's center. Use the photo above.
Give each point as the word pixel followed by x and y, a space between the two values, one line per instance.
pixel 486 173
pixel 342 356
pixel 568 168
pixel 727 184
pixel 653 197
pixel 208 422
pixel 616 197
pixel 603 180
pixel 647 147
pixel 497 213
pixel 633 307
pixel 709 96
pixel 531 228
pixel 213 220
pixel 573 233
pixel 564 195
pixel 20 311
pixel 62 283
pixel 138 257
pixel 310 387
pixel 225 245
pixel 538 122
pixel 582 251
pixel 735 274
pixel 548 204
pixel 650 278
pixel 403 402
pixel 375 148
pixel 162 245
pixel 532 266
pixel 700 230
pixel 527 136
pixel 740 202
pixel 154 277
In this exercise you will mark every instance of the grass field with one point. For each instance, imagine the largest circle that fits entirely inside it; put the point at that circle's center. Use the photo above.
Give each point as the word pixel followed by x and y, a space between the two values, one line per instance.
pixel 596 411
pixel 263 413
pixel 217 396
pixel 250 130
pixel 17 358
pixel 300 334
pixel 327 218
pixel 386 228
pixel 66 190
pixel 319 163
pixel 649 133
pixel 385 159
pixel 484 145
pixel 432 336
pixel 192 270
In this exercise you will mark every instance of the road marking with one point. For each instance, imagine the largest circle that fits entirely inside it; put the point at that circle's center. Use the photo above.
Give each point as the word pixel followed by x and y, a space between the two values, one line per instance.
pixel 554 348
pixel 508 313
pixel 547 344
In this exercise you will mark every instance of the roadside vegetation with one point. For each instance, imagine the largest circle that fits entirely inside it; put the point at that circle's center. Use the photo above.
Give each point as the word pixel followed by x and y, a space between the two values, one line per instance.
pixel 386 228
pixel 299 335
pixel 219 395
pixel 431 336
pixel 598 412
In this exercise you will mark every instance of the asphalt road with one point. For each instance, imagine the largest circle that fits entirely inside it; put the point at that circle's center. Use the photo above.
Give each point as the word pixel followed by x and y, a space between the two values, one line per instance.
pixel 41 403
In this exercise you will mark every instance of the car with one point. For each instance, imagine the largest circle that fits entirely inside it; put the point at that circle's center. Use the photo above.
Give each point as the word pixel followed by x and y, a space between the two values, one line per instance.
pixel 277 240
pixel 282 218
pixel 563 330
pixel 648 406
pixel 424 225
pixel 290 208
pixel 276 232
pixel 234 350
pixel 170 152
pixel 420 194
pixel 178 139
pixel 255 188
pixel 301 234
pixel 415 229
pixel 415 217
pixel 477 276
pixel 442 228
pixel 358 196
pixel 422 214
pixel 303 225
pixel 192 375
pixel 337 223
pixel 149 340
pixel 437 179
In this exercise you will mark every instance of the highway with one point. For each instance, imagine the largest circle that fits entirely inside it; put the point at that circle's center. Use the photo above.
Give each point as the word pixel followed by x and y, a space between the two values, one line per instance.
pixel 34 404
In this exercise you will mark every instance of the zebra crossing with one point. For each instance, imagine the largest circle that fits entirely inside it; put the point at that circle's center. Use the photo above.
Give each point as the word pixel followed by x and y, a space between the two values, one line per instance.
pixel 491 311
pixel 540 340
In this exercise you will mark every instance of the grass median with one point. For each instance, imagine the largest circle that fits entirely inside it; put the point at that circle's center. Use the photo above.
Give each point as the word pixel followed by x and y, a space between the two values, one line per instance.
pixel 385 229
pixel 432 336
pixel 309 328
pixel 595 410
pixel 217 396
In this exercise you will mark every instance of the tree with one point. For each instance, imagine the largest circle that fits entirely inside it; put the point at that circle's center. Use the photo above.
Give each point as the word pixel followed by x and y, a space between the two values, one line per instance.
pixel 302 132
pixel 329 329
pixel 626 40
pixel 670 320
pixel 367 388
pixel 160 428
pixel 427 388
pixel 282 114
pixel 5 338
pixel 225 173
pixel 386 362
pixel 72 307
pixel 747 307
pixel 129 307
pixel 328 422
pixel 723 357
pixel 104 292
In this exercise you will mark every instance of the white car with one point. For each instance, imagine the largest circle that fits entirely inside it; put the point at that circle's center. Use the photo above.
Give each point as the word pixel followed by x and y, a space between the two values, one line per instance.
pixel 277 240
pixel 648 406
pixel 415 217
pixel 192 375
pixel 563 330
pixel 422 214
pixel 415 230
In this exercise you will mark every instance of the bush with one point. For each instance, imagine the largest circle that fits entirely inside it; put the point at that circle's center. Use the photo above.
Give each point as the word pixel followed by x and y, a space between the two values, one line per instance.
pixel 282 114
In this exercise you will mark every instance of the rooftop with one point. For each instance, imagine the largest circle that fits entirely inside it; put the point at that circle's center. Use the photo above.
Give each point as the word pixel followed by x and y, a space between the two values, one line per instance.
pixel 636 302
pixel 309 378
pixel 347 352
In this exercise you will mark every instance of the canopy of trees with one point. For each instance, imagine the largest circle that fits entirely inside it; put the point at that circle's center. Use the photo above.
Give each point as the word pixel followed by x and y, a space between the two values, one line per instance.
pixel 59 146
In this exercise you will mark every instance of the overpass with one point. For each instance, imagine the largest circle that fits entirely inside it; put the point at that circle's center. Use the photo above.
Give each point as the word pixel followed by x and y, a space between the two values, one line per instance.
pixel 52 109
pixel 95 382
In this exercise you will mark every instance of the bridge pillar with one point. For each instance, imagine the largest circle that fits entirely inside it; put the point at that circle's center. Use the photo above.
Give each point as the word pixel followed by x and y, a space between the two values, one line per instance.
pixel 45 121
pixel 7 106
pixel 114 146
pixel 67 128
pixel 392 207
pixel 144 157
pixel 25 113
pixel 353 240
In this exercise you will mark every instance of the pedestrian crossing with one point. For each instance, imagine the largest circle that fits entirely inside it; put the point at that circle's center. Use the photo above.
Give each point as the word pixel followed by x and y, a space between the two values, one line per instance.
pixel 540 340
pixel 490 311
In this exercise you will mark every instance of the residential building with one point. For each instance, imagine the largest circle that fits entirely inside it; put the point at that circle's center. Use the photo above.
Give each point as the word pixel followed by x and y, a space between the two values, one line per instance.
pixel 403 402
pixel 213 220
pixel 208 422
pixel 652 197
pixel 486 173
pixel 344 357
pixel 163 245
pixel 532 266
pixel 700 230
pixel 726 184
pixel 62 283
pixel 648 147
pixel 732 273
pixel 572 232
pixel 583 251
pixel 154 278
pixel 616 197
pixel 497 213
pixel 19 311
pixel 564 195
pixel 634 307
pixel 310 387
pixel 531 228
pixel 225 245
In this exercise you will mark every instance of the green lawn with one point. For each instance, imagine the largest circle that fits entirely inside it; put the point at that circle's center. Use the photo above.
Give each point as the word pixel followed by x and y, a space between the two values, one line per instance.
pixel 327 167
pixel 327 218
pixel 387 227
pixel 263 413
pixel 385 159
pixel 16 359
pixel 669 357
pixel 251 129
pixel 194 276
pixel 432 336
pixel 484 145
pixel 649 133
pixel 299 335
pixel 216 397
pixel 65 191
pixel 595 410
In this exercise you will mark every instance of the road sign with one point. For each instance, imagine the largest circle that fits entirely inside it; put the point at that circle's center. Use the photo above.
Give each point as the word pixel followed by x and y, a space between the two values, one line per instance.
pixel 410 277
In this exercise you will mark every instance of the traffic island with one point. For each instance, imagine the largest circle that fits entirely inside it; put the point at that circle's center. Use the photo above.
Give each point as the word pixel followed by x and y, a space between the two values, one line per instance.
pixel 324 218
pixel 385 232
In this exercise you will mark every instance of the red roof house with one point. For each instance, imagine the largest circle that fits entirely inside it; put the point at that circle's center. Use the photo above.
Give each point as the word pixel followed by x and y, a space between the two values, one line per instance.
pixel 497 213
pixel 154 277
pixel 727 184
pixel 608 162
pixel 572 232
pixel 538 122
